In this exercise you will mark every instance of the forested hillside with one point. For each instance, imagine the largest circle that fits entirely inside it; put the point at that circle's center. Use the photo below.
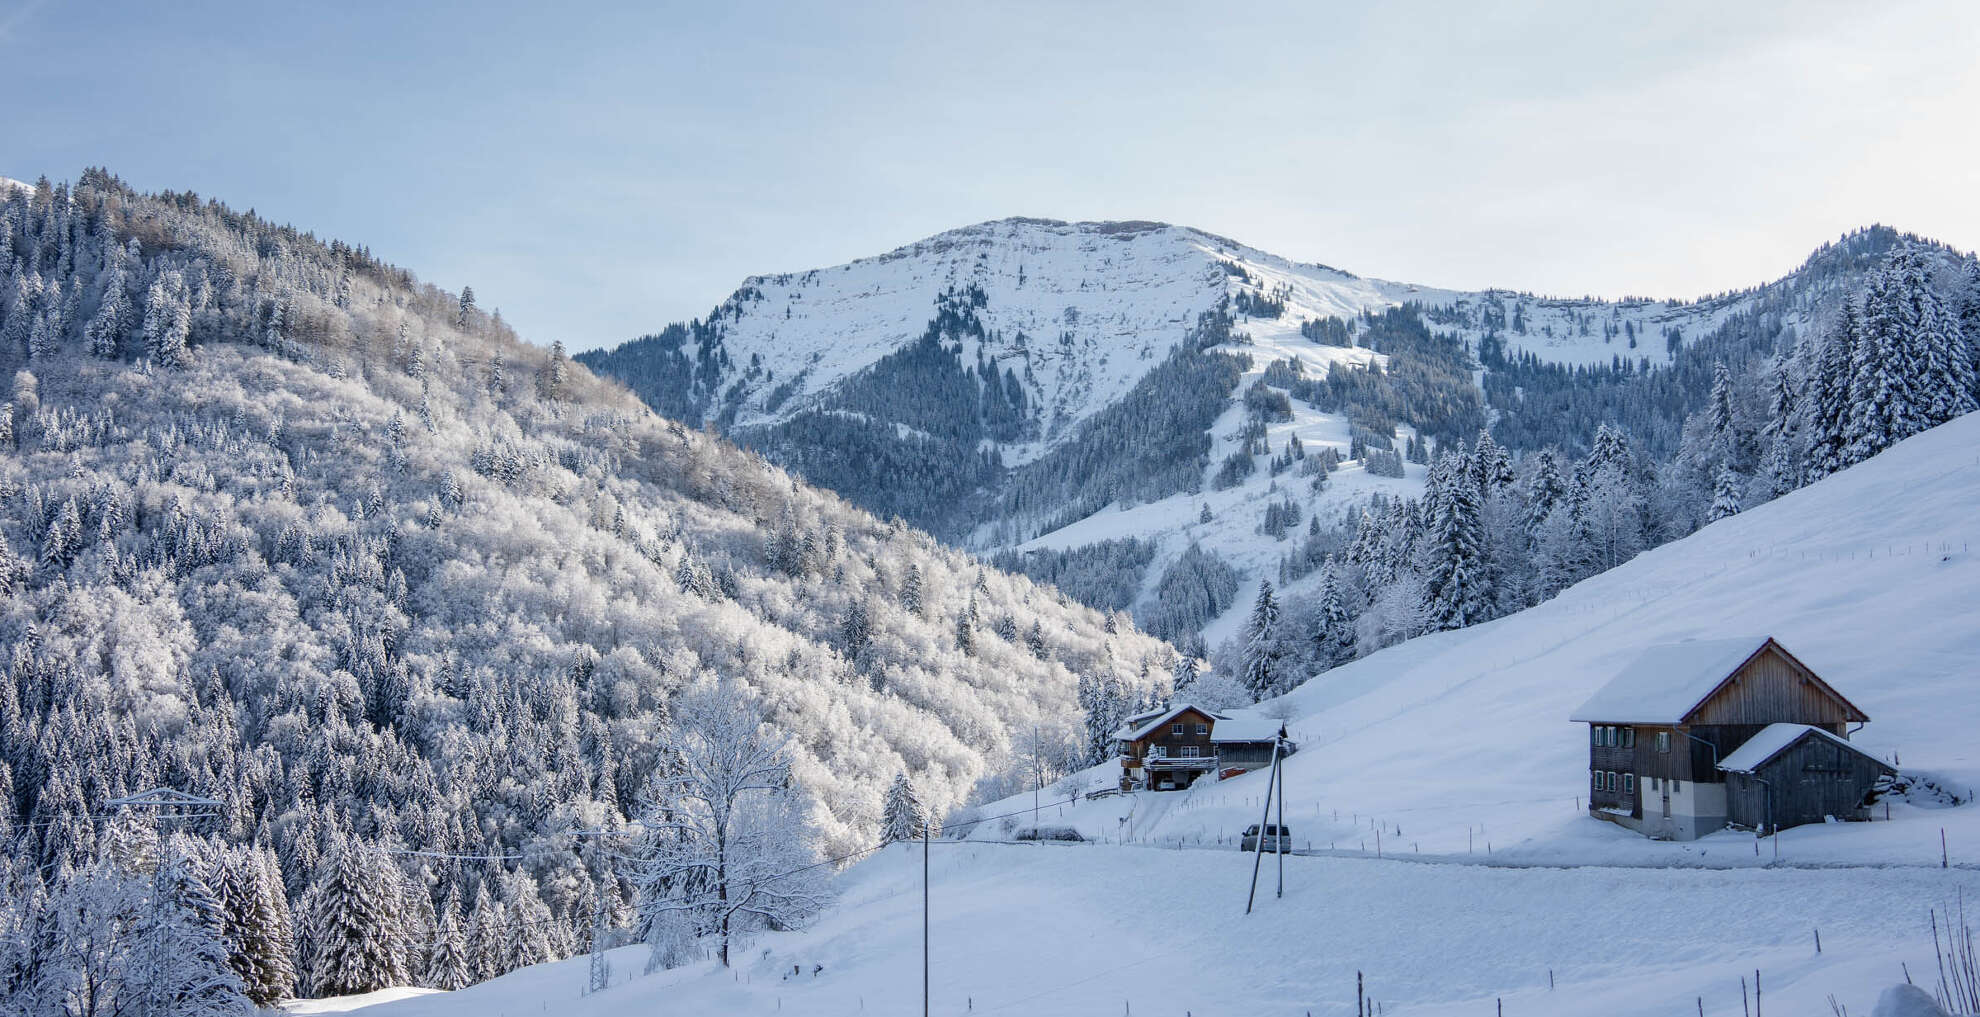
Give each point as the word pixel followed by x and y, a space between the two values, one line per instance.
pixel 283 527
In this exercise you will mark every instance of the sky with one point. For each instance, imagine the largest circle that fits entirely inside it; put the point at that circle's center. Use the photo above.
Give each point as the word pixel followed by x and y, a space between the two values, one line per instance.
pixel 596 171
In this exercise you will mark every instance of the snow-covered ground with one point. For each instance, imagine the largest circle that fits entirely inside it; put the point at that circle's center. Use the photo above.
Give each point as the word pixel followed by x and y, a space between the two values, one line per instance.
pixel 1493 884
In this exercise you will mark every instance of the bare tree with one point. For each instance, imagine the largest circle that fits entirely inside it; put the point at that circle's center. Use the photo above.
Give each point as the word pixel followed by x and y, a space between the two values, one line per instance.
pixel 727 849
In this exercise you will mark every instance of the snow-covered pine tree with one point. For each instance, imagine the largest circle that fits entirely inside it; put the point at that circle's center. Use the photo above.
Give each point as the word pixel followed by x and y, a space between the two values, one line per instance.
pixel 1885 400
pixel 1260 667
pixel 1779 470
pixel 167 321
pixel 1453 551
pixel 1725 495
pixel 1185 675
pixel 1719 413
pixel 1826 407
pixel 1491 466
pixel 352 931
pixel 485 930
pixel 1334 631
pixel 447 964
pixel 902 815
pixel 911 589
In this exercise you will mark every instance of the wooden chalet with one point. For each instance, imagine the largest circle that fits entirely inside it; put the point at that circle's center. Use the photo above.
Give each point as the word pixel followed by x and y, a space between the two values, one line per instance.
pixel 1662 732
pixel 1170 748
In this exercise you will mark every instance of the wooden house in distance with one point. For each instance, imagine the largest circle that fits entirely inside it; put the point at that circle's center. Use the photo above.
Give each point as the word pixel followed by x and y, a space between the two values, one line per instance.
pixel 1170 748
pixel 1662 732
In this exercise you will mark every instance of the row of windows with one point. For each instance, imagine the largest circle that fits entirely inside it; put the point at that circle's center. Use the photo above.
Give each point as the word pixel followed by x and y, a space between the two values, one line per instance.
pixel 1177 730
pixel 1610 780
pixel 1609 736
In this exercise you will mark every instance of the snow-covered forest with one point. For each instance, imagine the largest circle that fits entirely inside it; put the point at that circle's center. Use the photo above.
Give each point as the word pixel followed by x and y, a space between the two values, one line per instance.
pixel 1490 537
pixel 414 602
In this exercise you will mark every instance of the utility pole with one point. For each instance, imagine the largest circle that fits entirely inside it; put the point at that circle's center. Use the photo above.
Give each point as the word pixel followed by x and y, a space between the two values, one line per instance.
pixel 601 968
pixel 1037 775
pixel 1259 856
pixel 1281 845
pixel 924 916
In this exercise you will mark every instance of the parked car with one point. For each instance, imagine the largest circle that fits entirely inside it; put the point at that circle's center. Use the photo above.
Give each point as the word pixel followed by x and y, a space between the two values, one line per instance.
pixel 1059 833
pixel 1277 838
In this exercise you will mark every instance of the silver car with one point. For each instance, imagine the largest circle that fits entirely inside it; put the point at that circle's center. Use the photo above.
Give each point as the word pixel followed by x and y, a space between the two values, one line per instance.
pixel 1277 838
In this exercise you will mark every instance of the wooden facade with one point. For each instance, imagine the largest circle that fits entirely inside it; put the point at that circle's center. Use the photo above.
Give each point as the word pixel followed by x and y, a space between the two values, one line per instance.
pixel 1663 779
pixel 1169 750
pixel 1811 781
pixel 1173 754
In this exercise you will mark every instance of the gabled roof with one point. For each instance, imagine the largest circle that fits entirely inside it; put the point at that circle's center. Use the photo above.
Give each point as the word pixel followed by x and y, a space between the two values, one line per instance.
pixel 1134 732
pixel 1241 728
pixel 1775 739
pixel 1666 683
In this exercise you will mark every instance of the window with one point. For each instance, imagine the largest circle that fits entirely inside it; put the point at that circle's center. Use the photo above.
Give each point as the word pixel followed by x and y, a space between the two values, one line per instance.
pixel 1663 741
pixel 1598 780
pixel 1629 783
pixel 1676 785
pixel 1189 751
pixel 1615 784
pixel 1202 729
pixel 1176 729
pixel 1629 738
pixel 1594 735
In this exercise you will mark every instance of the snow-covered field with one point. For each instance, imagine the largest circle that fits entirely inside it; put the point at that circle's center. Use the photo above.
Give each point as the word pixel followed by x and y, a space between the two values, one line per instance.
pixel 1455 746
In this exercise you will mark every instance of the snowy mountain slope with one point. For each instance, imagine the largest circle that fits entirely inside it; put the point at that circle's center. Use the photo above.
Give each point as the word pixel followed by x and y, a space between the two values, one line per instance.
pixel 1461 739
pixel 1491 884
pixel 974 382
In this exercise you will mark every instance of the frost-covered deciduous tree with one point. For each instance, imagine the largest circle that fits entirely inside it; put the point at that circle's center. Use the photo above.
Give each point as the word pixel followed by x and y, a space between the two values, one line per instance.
pixel 729 850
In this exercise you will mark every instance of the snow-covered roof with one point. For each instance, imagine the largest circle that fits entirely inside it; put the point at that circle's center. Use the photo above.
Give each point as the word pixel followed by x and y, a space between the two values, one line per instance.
pixel 1137 732
pixel 1667 682
pixel 1775 739
pixel 1246 729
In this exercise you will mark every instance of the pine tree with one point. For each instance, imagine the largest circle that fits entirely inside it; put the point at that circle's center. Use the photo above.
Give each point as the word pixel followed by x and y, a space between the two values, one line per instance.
pixel 857 631
pixel 1779 471
pixel 1544 489
pixel 1491 467
pixel 1186 672
pixel 1719 413
pixel 484 936
pixel 1334 634
pixel 911 590
pixel 104 335
pixel 447 960
pixel 1725 495
pixel 1261 664
pixel 167 321
pixel 902 815
pixel 466 314
pixel 1827 406
pixel 1454 549
pixel 352 932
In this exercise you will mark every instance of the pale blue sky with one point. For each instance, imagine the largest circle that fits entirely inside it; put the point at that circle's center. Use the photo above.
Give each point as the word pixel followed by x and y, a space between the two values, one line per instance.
pixel 597 171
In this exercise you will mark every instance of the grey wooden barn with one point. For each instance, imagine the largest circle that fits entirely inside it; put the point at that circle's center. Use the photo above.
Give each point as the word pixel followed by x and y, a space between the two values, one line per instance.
pixel 1790 774
pixel 1661 730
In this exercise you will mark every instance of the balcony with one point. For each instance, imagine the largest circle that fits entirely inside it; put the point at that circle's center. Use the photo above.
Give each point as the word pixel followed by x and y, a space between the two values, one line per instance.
pixel 1175 763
